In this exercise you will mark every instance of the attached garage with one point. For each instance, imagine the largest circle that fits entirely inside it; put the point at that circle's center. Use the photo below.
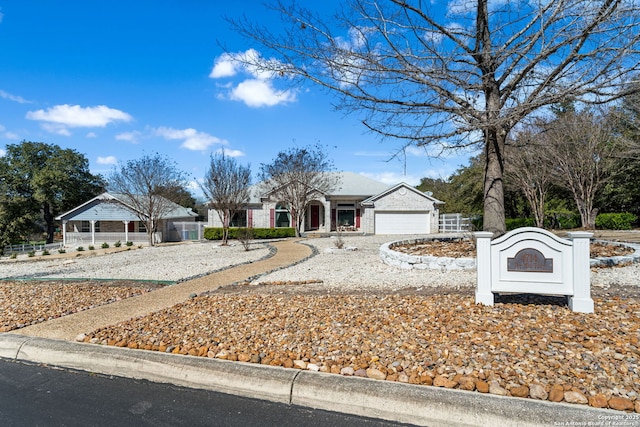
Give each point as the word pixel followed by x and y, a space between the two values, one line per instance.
pixel 402 222
pixel 401 209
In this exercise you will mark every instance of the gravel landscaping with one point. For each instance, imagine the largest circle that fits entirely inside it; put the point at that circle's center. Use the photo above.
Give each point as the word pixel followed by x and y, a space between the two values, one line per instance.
pixel 170 263
pixel 345 312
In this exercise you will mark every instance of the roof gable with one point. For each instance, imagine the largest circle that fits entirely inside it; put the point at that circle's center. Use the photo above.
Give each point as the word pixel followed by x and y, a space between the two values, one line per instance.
pixel 111 207
pixel 403 185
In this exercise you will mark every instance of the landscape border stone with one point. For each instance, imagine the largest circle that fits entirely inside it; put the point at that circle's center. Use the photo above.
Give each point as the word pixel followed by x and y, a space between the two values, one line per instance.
pixel 358 396
pixel 428 262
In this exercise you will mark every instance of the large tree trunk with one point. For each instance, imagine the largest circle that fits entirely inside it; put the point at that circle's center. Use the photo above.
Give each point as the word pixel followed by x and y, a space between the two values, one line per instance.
pixel 493 220
pixel 48 219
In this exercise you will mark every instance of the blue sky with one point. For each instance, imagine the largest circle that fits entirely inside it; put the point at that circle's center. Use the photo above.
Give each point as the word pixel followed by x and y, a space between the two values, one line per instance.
pixel 118 80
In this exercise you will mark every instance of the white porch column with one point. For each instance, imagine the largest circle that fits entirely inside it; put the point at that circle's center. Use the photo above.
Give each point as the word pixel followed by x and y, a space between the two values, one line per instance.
pixel 126 231
pixel 327 215
pixel 581 300
pixel 64 232
pixel 483 267
pixel 93 232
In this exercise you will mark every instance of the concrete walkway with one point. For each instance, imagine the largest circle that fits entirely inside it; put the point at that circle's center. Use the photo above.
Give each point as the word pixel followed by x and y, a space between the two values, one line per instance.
pixel 69 327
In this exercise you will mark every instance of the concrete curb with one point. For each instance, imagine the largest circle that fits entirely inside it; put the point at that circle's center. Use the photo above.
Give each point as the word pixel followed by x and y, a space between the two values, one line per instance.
pixel 358 396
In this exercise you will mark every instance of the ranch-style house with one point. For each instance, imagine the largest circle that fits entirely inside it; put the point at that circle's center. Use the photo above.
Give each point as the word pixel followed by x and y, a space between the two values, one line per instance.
pixel 107 218
pixel 359 204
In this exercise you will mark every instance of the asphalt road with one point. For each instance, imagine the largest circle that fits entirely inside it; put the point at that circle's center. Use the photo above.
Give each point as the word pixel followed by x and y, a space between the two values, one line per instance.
pixel 33 395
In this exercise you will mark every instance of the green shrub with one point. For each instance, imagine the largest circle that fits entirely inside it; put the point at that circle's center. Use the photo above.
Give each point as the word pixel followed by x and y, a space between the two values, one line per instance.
pixel 215 233
pixel 129 243
pixel 13 255
pixel 92 248
pixel 105 245
pixel 565 220
pixel 46 252
pixel 61 251
pixel 31 254
pixel 513 223
pixel 80 249
pixel 615 221
pixel 117 244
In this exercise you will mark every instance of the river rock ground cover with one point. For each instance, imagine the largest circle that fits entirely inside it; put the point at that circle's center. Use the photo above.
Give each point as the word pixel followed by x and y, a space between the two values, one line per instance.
pixel 27 303
pixel 526 346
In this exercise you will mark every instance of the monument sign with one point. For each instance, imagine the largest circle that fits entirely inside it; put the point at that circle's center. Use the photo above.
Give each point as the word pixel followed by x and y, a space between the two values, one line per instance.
pixel 534 260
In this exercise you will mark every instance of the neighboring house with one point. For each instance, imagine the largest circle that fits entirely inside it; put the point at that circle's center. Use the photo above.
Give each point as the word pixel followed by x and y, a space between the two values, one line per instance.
pixel 106 218
pixel 358 204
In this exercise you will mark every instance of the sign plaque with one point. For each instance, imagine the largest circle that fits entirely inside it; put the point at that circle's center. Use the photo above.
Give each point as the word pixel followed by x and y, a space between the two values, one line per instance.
pixel 530 260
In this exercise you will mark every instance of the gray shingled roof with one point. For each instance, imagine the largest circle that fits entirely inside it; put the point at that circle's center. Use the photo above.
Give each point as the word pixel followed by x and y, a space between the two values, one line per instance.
pixel 351 184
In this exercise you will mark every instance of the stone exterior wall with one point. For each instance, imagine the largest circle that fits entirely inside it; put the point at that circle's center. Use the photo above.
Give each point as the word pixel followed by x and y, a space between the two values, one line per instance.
pixel 400 200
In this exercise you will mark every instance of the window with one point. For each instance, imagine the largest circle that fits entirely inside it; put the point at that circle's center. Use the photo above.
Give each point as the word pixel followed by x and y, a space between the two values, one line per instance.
pixel 346 215
pixel 85 227
pixel 283 218
pixel 239 219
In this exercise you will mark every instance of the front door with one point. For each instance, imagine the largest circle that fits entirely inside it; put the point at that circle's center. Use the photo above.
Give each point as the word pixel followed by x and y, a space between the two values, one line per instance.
pixel 315 217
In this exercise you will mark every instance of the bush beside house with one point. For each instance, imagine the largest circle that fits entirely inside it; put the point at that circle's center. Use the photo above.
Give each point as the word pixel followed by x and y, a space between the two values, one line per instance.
pixel 215 233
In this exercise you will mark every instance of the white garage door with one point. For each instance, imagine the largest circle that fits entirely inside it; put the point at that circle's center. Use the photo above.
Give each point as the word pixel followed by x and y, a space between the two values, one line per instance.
pixel 402 222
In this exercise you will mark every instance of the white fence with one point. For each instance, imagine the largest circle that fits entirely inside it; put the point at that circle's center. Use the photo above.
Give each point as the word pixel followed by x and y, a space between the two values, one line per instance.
pixel 28 247
pixel 184 231
pixel 73 238
pixel 454 223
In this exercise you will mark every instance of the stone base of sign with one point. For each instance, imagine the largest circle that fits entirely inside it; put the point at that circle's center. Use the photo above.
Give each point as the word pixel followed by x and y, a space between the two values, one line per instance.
pixel 533 260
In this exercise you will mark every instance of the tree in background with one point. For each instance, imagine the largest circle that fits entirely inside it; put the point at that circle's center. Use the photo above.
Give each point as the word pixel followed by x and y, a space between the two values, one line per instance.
pixel 527 171
pixel 467 75
pixel 580 150
pixel 149 187
pixel 40 181
pixel 621 193
pixel 297 177
pixel 226 186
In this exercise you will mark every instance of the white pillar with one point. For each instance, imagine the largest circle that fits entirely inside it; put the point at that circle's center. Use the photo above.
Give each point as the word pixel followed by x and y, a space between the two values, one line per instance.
pixel 93 232
pixel 581 300
pixel 126 231
pixel 327 215
pixel 483 267
pixel 64 232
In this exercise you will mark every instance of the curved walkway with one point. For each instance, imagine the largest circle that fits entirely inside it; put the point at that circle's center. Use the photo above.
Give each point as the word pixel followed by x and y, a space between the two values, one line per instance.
pixel 69 327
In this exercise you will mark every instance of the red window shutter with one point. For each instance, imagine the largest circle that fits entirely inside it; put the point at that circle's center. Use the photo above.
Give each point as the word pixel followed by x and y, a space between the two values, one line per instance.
pixel 250 218
pixel 334 219
pixel 357 218
pixel 272 218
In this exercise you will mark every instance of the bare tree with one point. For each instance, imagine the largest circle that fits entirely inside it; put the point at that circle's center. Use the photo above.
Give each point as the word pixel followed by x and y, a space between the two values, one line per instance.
pixel 226 186
pixel 297 177
pixel 458 77
pixel 528 170
pixel 582 148
pixel 146 186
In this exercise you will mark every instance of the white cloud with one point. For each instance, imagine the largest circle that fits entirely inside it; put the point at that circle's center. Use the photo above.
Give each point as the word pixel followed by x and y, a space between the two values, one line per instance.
pixel 393 178
pixel 225 65
pixel 108 160
pixel 10 97
pixel 230 153
pixel 8 135
pixel 56 128
pixel 91 135
pixel 191 138
pixel 60 117
pixel 2 152
pixel 258 90
pixel 129 136
pixel 261 93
